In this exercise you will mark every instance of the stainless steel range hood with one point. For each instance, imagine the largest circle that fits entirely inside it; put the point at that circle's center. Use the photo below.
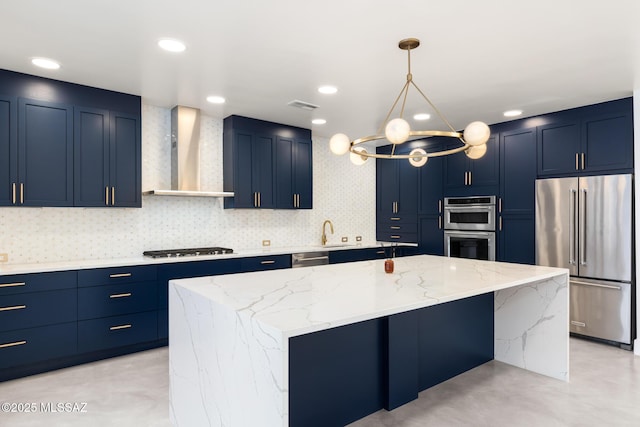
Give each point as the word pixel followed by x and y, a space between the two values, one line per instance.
pixel 185 156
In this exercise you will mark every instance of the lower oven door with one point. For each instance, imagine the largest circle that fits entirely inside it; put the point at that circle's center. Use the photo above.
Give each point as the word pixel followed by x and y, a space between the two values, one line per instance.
pixel 470 244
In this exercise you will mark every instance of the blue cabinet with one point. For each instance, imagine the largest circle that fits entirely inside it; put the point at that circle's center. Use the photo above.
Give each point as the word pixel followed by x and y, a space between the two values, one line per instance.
pixel 8 150
pixel 516 202
pixel 396 199
pixel 431 235
pixel 293 173
pixel 107 158
pixel 465 177
pixel 267 165
pixel 587 140
pixel 45 154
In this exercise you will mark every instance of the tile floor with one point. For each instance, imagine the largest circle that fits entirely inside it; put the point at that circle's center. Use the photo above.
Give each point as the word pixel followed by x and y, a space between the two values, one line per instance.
pixel 133 391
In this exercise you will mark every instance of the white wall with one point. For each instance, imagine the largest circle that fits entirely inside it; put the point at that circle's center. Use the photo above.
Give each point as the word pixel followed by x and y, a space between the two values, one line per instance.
pixel 636 164
pixel 342 192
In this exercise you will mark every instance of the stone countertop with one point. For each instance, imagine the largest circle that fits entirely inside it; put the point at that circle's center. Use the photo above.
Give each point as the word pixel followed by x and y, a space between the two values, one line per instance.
pixel 142 260
pixel 300 301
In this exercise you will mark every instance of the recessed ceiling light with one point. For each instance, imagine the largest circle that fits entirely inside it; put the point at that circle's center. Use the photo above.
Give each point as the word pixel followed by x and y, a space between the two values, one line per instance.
pixel 318 121
pixel 422 116
pixel 172 45
pixel 512 113
pixel 328 90
pixel 49 64
pixel 216 99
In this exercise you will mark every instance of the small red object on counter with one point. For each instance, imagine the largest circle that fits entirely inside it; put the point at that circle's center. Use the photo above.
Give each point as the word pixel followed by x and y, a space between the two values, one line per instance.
pixel 388 266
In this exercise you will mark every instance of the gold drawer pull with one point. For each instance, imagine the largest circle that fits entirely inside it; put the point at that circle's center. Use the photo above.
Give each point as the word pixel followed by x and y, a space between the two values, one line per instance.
pixel 380 252
pixel 10 285
pixel 113 276
pixel 115 328
pixel 395 237
pixel 268 262
pixel 12 344
pixel 14 307
pixel 394 227
pixel 394 219
pixel 127 294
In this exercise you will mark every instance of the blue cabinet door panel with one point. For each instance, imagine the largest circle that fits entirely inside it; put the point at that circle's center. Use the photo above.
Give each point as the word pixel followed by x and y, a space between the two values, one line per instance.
pixel 284 176
pixel 517 171
pixel 125 177
pixel 91 157
pixel 163 324
pixel 558 146
pixel 430 186
pixel 45 138
pixel 303 176
pixel 115 300
pixel 36 282
pixel 516 240
pixel 431 237
pixel 117 275
pixel 24 346
pixel 262 171
pixel 243 181
pixel 608 142
pixel 261 263
pixel 117 331
pixel 8 149
pixel 29 310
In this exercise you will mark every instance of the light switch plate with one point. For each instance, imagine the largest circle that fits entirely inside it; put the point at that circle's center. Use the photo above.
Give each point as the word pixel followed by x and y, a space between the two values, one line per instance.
pixel 4 257
pixel 266 243
pixel 358 238
pixel 345 239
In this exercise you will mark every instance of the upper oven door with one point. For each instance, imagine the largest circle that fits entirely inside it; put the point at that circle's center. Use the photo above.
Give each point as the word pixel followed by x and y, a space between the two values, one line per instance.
pixel 482 218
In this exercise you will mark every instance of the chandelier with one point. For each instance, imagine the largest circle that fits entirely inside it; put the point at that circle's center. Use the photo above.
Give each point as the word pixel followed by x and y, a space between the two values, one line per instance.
pixel 397 131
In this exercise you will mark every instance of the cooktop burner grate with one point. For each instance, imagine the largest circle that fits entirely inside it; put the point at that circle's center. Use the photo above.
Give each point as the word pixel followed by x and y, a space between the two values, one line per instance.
pixel 174 253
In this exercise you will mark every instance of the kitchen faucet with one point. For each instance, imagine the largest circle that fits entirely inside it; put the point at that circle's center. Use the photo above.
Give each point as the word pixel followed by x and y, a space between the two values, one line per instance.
pixel 324 233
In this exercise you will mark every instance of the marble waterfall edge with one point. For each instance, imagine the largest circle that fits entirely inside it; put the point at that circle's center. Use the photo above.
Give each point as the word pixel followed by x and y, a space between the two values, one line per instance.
pixel 213 355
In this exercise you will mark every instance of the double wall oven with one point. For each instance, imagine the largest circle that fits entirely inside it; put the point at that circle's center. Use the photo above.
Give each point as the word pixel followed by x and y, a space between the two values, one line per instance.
pixel 470 227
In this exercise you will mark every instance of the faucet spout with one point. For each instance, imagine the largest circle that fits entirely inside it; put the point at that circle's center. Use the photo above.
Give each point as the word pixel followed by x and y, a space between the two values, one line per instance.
pixel 324 233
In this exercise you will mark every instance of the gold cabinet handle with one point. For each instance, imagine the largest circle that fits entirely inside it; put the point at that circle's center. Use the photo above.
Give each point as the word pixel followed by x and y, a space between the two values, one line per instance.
pixel 106 196
pixel 270 261
pixel 13 307
pixel 114 276
pixel 115 328
pixel 11 285
pixel 380 252
pixel 394 219
pixel 439 223
pixel 582 161
pixel 113 196
pixel 465 178
pixel 395 237
pixel 124 295
pixel 500 224
pixel 21 193
pixel 394 227
pixel 500 205
pixel 469 177
pixel 13 344
pixel 13 192
pixel 577 165
pixel 440 206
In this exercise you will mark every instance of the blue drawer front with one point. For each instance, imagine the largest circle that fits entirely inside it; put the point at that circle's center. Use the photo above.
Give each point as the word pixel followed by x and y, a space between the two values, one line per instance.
pixel 26 346
pixel 265 263
pixel 29 310
pixel 22 283
pixel 163 324
pixel 116 275
pixel 118 331
pixel 115 300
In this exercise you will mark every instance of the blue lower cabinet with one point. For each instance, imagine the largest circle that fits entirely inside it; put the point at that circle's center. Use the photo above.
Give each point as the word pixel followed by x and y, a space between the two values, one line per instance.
pixel 24 346
pixel 163 324
pixel 36 282
pixel 262 263
pixel 114 300
pixel 21 311
pixel 117 331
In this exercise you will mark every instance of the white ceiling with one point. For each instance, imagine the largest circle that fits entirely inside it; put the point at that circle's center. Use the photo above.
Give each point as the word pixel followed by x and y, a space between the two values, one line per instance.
pixel 477 58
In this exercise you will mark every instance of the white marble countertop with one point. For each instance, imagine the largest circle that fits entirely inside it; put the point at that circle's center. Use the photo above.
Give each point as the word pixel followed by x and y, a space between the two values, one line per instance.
pixel 6 269
pixel 304 300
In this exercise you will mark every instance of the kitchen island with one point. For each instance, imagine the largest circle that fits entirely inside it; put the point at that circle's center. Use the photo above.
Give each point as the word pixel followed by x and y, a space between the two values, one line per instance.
pixel 328 345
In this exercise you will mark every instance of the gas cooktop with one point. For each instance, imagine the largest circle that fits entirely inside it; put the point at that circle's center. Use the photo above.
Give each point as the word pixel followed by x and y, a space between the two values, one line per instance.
pixel 174 253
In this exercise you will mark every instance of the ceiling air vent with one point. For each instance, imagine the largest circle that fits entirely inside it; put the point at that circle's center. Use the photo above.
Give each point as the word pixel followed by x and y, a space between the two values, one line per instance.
pixel 301 104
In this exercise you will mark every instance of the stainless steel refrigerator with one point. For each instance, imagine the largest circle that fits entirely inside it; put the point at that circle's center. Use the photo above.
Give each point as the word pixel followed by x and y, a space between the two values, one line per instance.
pixel 586 225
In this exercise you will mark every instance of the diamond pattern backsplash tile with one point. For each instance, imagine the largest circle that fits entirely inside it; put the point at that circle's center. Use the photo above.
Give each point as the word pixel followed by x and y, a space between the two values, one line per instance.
pixel 342 192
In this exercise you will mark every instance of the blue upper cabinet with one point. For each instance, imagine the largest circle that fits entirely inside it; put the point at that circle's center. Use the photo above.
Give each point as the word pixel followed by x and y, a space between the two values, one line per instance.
pixel 293 173
pixel 587 140
pixel 267 165
pixel 45 154
pixel 107 162
pixel 8 150
pixel 517 171
pixel 430 187
pixel 465 176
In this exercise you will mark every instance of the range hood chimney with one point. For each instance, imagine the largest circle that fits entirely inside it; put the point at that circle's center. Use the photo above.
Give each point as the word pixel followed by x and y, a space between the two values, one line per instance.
pixel 185 156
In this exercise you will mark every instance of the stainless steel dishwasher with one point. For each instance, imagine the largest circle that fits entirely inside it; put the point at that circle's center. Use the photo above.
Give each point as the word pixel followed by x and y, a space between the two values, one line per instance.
pixel 309 259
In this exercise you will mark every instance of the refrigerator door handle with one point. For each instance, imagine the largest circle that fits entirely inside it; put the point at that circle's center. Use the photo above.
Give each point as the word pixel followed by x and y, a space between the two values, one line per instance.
pixel 572 227
pixel 583 229
pixel 597 285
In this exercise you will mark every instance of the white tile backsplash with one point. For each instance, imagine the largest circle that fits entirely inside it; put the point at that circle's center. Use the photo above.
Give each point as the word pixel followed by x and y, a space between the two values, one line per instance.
pixel 342 192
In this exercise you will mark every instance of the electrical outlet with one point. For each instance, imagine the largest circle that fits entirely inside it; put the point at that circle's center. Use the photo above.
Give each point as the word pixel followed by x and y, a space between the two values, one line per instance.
pixel 4 257
pixel 266 243
pixel 345 239
pixel 358 238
